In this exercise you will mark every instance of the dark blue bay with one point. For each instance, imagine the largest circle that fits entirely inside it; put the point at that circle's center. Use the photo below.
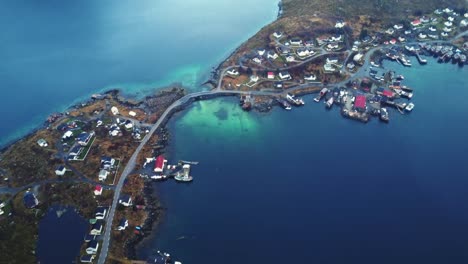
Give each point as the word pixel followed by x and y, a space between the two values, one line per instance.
pixel 60 238
pixel 309 186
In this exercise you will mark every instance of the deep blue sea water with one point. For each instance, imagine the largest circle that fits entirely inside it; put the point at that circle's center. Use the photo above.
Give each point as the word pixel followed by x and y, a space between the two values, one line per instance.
pixel 309 186
pixel 56 53
pixel 60 238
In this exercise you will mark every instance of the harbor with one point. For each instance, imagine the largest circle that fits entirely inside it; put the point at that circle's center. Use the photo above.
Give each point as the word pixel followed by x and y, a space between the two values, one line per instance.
pixel 158 169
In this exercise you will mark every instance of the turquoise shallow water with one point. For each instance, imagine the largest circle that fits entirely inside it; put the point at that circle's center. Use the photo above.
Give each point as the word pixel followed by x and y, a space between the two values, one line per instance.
pixel 309 186
pixel 56 53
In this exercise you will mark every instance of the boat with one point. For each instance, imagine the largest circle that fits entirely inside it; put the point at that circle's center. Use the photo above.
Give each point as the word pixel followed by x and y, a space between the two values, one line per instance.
pixel 296 101
pixel 329 102
pixel 184 175
pixel 384 114
pixel 159 177
pixel 409 107
pixel 400 77
pixel 188 162
pixel 462 59
pixel 405 61
pixel 322 93
pixel 284 104
pixel 374 64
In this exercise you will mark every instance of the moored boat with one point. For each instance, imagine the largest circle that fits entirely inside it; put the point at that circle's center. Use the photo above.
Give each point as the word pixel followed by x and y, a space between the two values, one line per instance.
pixel 322 93
pixel 409 107
pixel 329 102
pixel 384 114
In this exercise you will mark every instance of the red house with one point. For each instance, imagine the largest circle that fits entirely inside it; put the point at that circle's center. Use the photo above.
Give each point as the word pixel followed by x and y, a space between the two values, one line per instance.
pixel 98 190
pixel 360 102
pixel 160 163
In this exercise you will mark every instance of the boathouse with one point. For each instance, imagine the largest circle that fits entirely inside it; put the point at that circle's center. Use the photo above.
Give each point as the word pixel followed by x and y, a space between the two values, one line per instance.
pixel 160 163
pixel 360 103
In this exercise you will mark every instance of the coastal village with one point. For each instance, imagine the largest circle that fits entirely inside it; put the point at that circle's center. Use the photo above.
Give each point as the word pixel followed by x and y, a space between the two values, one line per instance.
pixel 102 156
pixel 346 70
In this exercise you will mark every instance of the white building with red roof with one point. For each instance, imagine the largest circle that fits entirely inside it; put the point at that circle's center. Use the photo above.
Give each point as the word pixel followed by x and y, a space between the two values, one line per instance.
pixel 159 164
pixel 98 190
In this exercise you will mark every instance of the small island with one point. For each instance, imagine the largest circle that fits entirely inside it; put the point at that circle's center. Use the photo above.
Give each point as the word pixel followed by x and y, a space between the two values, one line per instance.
pixel 94 156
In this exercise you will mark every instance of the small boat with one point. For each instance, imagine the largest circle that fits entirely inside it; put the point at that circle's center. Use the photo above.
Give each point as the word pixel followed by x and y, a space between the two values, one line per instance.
pixel 400 77
pixel 284 104
pixel 322 93
pixel 329 102
pixel 159 177
pixel 296 101
pixel 182 178
pixel 384 114
pixel 462 59
pixel 188 162
pixel 405 61
pixel 409 107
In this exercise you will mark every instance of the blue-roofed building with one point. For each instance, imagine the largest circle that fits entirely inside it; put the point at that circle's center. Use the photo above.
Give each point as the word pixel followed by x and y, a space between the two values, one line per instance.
pixel 60 170
pixel 30 200
pixel 84 138
pixel 122 224
pixel 125 200
pixel 92 247
pixel 87 259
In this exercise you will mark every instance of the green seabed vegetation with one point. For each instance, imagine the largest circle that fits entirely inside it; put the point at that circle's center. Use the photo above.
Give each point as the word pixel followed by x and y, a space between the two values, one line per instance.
pixel 220 119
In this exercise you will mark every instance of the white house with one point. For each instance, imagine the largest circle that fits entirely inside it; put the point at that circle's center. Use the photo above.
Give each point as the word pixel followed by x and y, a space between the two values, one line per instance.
pixel 448 10
pixel 448 23
pixel 115 110
pixel 337 38
pixel 401 39
pixel 332 60
pixel 422 35
pixel 358 57
pixel 390 31
pixel 96 230
pixel 67 135
pixel 60 170
pixel 407 32
pixel 87 258
pixel 254 78
pixel 296 42
pixel 101 213
pixel 122 224
pixel 233 71
pixel 257 60
pixel 42 143
pixel 290 59
pixel 284 75
pixel 128 124
pixel 107 162
pixel 446 29
pixel 328 68
pixel 398 26
pixel 464 23
pixel 272 55
pixel 261 52
pixel 125 200
pixel 92 247
pixel 340 24
pixel 450 19
pixel 310 77
pixel 432 29
pixel 132 113
pixel 103 175
pixel 277 34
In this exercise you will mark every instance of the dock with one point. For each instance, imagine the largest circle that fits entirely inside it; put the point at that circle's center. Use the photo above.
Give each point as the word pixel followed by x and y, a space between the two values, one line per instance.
pixel 420 59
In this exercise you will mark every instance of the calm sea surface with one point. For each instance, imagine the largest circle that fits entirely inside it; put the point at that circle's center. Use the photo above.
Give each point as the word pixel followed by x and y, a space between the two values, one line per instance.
pixel 56 53
pixel 309 186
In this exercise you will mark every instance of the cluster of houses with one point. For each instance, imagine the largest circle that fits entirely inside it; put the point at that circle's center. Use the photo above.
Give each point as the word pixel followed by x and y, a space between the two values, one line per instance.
pixel 441 25
pixel 107 164
pixel 80 143
pixel 97 228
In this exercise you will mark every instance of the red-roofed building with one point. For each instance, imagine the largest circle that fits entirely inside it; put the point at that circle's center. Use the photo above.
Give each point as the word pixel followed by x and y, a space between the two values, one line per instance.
pixel 160 163
pixel 360 102
pixel 387 93
pixel 271 75
pixel 416 22
pixel 98 190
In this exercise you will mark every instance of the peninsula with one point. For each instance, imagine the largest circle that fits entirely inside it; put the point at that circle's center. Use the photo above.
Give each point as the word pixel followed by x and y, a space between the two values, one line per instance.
pixel 92 156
